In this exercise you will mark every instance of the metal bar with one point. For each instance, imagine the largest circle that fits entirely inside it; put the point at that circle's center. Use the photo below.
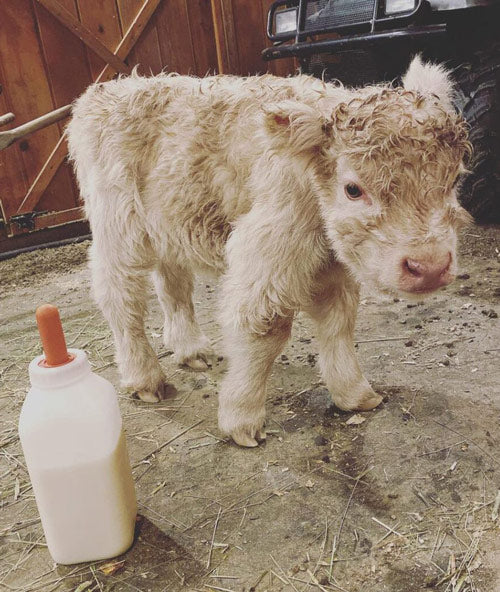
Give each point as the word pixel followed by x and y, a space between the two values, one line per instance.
pixel 301 22
pixel 10 136
pixel 7 118
pixel 374 16
pixel 353 42
pixel 370 25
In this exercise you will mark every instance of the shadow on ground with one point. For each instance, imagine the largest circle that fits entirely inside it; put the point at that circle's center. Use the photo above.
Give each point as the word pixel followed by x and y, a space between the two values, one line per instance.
pixel 401 499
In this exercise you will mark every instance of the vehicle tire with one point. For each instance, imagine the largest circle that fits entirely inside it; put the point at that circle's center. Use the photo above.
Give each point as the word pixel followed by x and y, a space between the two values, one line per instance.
pixel 478 98
pixel 475 64
pixel 472 52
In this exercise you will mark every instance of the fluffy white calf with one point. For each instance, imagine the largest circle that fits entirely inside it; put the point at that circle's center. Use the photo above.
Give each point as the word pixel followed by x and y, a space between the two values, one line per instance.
pixel 294 190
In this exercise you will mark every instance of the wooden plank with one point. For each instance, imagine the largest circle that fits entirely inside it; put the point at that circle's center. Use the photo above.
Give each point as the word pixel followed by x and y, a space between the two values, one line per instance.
pixel 50 220
pixel 132 35
pixel 59 152
pixel 72 23
pixel 68 74
pixel 202 36
pixel 146 52
pixel 26 86
pixel 250 38
pixel 52 198
pixel 285 67
pixel 57 218
pixel 101 18
pixel 175 37
pixel 13 182
pixel 225 37
pixel 42 237
pixel 44 177
pixel 240 33
pixel 233 54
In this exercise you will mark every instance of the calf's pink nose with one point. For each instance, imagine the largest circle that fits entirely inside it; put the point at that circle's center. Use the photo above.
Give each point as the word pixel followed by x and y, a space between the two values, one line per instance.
pixel 427 274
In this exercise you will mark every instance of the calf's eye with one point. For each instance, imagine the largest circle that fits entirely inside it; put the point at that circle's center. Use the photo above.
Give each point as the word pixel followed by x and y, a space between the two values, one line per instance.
pixel 353 191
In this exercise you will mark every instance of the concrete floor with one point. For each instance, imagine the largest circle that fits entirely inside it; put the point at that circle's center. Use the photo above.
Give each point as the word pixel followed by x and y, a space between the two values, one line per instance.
pixel 399 499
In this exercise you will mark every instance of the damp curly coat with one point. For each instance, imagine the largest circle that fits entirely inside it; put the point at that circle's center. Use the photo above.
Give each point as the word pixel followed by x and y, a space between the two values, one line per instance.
pixel 293 190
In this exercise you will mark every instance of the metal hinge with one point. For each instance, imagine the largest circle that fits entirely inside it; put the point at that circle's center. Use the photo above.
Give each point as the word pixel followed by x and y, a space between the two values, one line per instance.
pixel 25 221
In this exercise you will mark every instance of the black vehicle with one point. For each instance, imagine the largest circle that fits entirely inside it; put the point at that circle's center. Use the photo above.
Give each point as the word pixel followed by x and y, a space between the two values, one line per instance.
pixel 362 41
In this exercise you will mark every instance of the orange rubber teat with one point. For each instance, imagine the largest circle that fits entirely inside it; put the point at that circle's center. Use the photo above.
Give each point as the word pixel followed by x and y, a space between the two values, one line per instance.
pixel 52 336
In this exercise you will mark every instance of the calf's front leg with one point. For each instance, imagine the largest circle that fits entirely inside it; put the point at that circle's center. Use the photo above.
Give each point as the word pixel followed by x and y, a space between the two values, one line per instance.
pixel 243 392
pixel 333 310
pixel 259 295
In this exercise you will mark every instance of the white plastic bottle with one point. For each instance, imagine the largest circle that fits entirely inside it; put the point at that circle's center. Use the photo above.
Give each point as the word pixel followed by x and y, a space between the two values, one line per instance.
pixel 71 434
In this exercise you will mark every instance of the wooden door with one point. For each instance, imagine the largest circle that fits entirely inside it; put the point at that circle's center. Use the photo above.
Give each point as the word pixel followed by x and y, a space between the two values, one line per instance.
pixel 51 50
pixel 240 29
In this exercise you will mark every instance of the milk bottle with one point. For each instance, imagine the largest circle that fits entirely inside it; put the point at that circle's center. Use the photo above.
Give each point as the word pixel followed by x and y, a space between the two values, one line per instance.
pixel 71 434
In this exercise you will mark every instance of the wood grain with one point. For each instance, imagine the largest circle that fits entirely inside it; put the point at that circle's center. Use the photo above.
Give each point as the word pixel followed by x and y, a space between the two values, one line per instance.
pixel 45 64
pixel 175 41
pixel 13 181
pixel 28 90
pixel 72 24
pixel 202 36
pixel 58 154
pixel 102 19
pixel 146 52
pixel 67 78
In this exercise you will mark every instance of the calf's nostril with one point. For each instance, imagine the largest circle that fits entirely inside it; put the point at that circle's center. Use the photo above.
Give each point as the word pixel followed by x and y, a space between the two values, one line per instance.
pixel 413 267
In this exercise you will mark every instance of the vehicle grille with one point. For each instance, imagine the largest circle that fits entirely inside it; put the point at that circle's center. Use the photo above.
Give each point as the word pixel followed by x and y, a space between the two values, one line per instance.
pixel 324 15
pixel 353 68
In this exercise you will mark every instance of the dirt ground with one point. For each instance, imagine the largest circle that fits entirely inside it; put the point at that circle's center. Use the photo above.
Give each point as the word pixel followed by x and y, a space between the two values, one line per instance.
pixel 401 499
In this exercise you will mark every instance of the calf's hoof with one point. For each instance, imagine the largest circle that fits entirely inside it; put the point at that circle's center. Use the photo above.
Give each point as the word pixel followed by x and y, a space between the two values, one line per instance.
pixel 369 402
pixel 246 430
pixel 194 353
pixel 361 399
pixel 154 396
pixel 248 438
pixel 197 362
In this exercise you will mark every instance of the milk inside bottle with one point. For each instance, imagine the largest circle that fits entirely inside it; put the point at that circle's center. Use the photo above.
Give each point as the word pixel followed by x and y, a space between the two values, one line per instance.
pixel 70 429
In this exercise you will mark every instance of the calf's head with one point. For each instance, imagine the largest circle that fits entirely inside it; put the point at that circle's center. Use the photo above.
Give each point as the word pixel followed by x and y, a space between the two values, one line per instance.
pixel 385 167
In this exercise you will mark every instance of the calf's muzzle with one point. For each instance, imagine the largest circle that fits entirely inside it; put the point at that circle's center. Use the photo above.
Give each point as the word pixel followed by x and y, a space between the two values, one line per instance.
pixel 426 274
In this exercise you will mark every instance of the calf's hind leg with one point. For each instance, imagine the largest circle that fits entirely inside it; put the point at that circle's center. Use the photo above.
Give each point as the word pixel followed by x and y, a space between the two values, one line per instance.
pixel 174 286
pixel 120 290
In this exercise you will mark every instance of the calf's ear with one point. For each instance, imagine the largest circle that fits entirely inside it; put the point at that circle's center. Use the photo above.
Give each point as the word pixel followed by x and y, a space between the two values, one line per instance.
pixel 429 79
pixel 297 126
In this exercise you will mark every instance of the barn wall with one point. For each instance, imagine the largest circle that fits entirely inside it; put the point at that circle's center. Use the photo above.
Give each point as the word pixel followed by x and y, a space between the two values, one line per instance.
pixel 44 65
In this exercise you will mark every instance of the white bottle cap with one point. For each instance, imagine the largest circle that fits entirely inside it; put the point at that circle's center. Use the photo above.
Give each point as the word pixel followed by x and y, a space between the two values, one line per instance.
pixel 43 376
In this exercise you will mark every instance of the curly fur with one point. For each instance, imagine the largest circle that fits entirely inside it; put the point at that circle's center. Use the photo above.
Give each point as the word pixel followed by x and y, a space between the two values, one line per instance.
pixel 245 177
